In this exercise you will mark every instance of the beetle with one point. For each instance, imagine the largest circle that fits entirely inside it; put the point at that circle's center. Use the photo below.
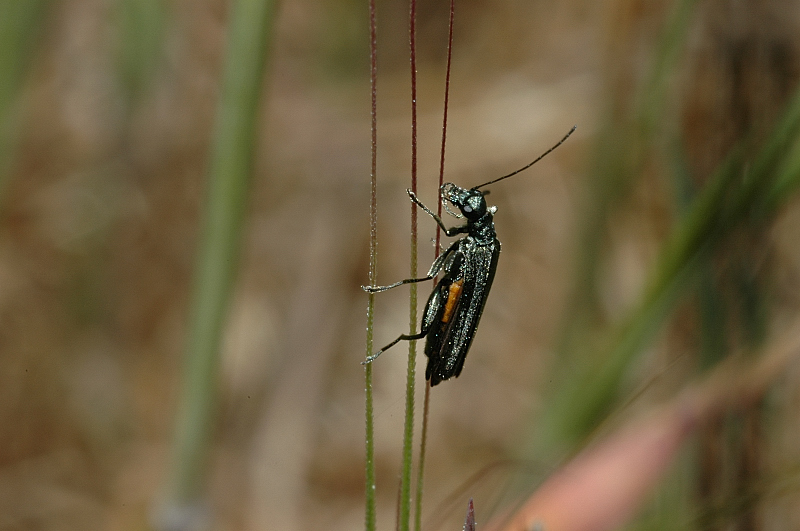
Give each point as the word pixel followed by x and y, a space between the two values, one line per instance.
pixel 456 304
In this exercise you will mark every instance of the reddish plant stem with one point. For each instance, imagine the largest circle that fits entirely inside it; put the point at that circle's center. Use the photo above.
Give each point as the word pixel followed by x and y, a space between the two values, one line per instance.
pixel 404 520
pixel 370 500
pixel 425 409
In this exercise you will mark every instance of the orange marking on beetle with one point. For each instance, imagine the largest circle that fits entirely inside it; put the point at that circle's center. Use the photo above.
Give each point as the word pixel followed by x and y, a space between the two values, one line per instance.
pixel 452 297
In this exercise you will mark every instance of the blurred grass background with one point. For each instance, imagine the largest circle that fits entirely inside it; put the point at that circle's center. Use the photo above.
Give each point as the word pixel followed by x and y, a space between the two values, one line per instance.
pixel 107 112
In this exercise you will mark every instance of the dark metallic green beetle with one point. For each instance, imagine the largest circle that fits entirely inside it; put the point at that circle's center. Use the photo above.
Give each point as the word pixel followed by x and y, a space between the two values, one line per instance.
pixel 456 304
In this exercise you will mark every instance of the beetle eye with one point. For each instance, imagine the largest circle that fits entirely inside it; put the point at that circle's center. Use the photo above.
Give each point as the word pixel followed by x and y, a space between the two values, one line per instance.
pixel 467 208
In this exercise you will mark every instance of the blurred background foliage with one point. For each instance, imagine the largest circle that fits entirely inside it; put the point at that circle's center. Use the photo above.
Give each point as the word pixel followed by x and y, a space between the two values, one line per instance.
pixel 659 240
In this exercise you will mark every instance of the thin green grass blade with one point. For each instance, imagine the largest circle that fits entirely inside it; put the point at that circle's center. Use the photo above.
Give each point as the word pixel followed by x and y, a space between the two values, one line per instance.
pixel 404 513
pixel 423 445
pixel 369 460
pixel 621 152
pixel 230 167
pixel 717 211
pixel 141 24
pixel 19 22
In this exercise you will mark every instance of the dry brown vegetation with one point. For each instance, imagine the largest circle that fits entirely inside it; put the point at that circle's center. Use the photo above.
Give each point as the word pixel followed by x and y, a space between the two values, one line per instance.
pixel 103 185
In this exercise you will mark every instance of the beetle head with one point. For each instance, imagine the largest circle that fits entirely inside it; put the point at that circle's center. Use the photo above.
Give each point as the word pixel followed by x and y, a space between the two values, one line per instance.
pixel 469 201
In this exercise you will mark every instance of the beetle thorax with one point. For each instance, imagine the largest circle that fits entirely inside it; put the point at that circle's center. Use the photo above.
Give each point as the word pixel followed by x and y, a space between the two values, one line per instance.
pixel 483 229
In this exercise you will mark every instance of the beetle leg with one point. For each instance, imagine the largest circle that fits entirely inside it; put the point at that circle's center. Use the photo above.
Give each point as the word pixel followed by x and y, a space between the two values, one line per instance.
pixel 406 337
pixel 437 266
pixel 451 231
pixel 447 208
pixel 378 289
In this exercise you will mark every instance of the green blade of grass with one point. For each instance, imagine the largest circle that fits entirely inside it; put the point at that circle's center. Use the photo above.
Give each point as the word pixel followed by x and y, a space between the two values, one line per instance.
pixel 370 502
pixel 404 511
pixel 230 166
pixel 622 151
pixel 720 207
pixel 19 21
pixel 141 24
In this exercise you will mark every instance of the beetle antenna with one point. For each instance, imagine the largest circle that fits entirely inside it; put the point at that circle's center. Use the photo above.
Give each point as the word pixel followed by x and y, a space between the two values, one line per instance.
pixel 540 157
